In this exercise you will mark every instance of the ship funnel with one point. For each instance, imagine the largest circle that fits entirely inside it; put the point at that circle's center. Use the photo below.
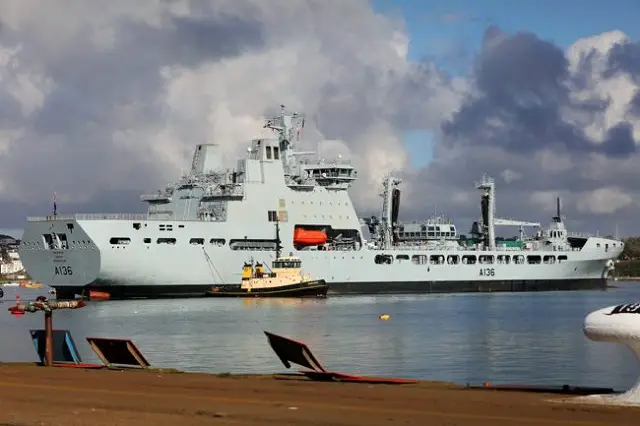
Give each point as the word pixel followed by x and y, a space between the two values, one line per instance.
pixel 206 159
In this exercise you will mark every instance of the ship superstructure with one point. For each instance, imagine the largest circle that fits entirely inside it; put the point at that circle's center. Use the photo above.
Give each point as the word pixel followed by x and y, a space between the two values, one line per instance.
pixel 200 229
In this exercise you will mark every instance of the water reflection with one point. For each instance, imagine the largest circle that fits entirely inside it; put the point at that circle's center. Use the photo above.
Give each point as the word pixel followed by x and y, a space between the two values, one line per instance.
pixel 535 337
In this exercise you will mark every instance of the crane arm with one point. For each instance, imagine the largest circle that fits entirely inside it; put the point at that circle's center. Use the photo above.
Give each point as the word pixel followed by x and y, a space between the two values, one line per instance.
pixel 511 222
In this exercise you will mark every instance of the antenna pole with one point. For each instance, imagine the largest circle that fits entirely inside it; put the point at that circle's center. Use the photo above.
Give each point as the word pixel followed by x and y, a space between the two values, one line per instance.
pixel 277 239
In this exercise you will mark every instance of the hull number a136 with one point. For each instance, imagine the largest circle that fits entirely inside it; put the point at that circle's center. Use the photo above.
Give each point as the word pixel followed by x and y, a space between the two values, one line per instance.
pixel 63 270
pixel 487 272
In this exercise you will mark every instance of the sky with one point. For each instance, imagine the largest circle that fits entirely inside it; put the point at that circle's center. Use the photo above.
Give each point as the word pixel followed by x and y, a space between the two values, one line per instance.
pixel 452 31
pixel 101 104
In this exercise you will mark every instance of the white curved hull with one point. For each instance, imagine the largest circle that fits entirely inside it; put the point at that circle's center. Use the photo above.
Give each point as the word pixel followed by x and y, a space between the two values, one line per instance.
pixel 186 269
pixel 187 241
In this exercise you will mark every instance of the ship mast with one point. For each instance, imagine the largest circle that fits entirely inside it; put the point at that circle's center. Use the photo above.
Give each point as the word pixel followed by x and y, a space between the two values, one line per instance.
pixel 278 241
pixel 386 219
pixel 288 126
pixel 488 204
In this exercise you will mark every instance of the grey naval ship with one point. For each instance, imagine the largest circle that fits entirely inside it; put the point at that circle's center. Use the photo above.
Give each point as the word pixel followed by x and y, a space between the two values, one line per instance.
pixel 200 230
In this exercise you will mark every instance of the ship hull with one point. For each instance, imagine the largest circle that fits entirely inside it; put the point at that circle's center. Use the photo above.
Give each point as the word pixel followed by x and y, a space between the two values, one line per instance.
pixel 153 270
pixel 125 291
pixel 316 288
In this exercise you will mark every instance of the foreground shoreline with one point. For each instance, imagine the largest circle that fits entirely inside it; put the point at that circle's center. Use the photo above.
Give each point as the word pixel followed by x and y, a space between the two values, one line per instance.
pixel 33 395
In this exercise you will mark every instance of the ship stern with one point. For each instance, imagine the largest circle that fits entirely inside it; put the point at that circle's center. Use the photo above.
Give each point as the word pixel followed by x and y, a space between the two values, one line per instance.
pixel 56 251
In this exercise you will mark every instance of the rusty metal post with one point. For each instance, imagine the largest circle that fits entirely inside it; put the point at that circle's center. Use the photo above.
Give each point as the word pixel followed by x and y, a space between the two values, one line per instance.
pixel 48 338
pixel 42 304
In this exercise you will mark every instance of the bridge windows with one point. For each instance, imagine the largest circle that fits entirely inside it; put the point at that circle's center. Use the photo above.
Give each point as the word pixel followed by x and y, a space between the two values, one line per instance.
pixel 534 260
pixel 252 244
pixel 217 242
pixel 453 259
pixel 383 259
pixel 147 240
pixel 485 259
pixel 171 241
pixel 419 259
pixel 119 241
pixel 469 260
pixel 196 241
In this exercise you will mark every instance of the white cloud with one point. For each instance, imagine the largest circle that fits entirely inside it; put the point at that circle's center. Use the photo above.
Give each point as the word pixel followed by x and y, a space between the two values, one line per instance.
pixel 95 98
pixel 603 201
pixel 510 176
pixel 589 61
pixel 122 94
pixel 544 200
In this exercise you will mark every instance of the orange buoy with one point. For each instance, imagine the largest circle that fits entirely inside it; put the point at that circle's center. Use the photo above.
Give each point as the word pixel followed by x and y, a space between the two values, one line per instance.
pixel 16 311
pixel 98 295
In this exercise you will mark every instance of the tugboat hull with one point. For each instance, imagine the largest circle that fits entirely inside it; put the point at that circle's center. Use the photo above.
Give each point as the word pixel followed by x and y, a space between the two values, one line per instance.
pixel 315 288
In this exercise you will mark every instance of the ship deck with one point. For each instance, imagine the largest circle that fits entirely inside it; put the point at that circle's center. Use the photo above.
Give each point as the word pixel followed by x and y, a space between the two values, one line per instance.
pixel 33 395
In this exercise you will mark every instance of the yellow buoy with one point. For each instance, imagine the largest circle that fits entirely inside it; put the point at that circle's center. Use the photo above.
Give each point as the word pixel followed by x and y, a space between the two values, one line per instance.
pixel 384 317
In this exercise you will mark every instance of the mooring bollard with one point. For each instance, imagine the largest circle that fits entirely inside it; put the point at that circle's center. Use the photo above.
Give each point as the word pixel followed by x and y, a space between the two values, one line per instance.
pixel 47 306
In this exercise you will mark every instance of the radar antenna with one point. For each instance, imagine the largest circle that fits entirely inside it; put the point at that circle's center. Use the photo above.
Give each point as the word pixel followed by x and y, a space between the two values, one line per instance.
pixel 288 126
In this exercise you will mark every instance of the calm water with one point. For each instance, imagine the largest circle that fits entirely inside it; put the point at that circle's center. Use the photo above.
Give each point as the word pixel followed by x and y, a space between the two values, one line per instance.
pixel 533 338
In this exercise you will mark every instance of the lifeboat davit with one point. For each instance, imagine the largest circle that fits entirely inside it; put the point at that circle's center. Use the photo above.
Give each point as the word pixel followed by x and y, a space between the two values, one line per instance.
pixel 304 237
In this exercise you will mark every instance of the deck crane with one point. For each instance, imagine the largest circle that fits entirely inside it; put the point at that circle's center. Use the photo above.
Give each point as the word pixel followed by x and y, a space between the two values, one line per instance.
pixel 519 223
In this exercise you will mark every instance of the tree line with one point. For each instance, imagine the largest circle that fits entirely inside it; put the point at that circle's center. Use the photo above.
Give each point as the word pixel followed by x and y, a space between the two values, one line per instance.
pixel 628 264
pixel 631 249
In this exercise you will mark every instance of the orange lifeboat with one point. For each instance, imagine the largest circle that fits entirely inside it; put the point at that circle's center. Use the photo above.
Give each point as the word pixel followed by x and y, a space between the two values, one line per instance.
pixel 305 237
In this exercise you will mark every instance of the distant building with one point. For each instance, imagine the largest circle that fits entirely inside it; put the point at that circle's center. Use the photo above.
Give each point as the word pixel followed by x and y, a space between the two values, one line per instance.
pixel 10 262
pixel 12 267
pixel 9 242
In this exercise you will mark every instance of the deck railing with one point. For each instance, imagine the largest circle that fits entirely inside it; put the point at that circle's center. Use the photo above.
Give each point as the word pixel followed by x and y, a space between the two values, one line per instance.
pixel 92 216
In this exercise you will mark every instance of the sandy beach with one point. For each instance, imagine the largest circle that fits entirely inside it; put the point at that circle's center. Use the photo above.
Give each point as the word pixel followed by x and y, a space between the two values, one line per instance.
pixel 32 395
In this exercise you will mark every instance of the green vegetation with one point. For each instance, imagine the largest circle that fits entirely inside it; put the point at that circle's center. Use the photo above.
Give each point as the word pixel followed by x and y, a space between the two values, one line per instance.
pixel 627 268
pixel 631 248
pixel 629 260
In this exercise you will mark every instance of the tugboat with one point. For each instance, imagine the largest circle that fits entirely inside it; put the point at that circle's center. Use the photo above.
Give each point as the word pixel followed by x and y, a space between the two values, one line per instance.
pixel 285 280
